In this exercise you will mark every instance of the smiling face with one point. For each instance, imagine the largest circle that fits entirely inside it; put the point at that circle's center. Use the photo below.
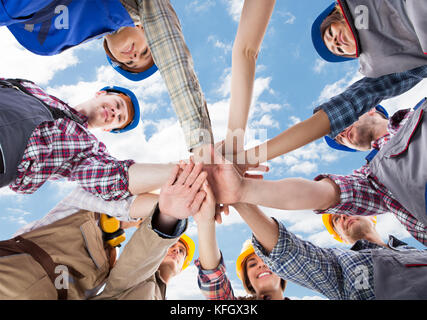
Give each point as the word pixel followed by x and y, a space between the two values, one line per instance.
pixel 260 277
pixel 108 111
pixel 129 47
pixel 352 228
pixel 339 39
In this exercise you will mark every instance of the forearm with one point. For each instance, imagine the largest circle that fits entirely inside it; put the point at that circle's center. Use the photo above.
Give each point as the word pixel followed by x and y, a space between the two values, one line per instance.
pixel 143 205
pixel 250 33
pixel 146 177
pixel 209 254
pixel 291 139
pixel 291 193
pixel 264 228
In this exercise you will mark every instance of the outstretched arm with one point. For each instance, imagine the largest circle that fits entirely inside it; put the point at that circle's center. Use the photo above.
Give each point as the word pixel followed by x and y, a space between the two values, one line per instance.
pixel 209 254
pixel 264 228
pixel 250 33
pixel 341 111
pixel 291 193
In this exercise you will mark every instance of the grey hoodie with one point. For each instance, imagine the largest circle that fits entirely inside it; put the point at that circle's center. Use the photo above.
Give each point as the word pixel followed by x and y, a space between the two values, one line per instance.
pixel 391 34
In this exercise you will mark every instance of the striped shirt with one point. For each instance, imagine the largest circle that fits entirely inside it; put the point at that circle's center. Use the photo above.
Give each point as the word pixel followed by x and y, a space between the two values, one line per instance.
pixel 171 55
pixel 64 148
pixel 363 194
pixel 338 274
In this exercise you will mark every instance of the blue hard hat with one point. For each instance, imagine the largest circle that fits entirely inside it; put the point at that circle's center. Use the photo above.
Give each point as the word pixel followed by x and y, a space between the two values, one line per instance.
pixel 134 123
pixel 335 145
pixel 134 76
pixel 317 38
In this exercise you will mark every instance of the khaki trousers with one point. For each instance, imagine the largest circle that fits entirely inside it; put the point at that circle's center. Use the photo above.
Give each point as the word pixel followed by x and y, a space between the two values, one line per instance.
pixel 75 246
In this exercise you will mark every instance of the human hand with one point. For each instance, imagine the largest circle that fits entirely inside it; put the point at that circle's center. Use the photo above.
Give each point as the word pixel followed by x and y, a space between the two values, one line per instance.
pixel 181 196
pixel 224 178
pixel 241 161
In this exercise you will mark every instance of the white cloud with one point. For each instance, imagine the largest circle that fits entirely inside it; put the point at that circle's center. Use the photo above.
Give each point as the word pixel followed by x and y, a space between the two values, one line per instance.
pixel 16 215
pixel 226 47
pixel 289 18
pixel 319 65
pixel 339 86
pixel 266 121
pixel 305 160
pixel 18 62
pixel 406 100
pixel 234 8
pixel 200 6
pixel 184 286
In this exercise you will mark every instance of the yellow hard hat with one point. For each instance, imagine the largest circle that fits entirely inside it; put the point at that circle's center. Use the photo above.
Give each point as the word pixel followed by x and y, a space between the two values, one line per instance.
pixel 327 221
pixel 191 247
pixel 247 250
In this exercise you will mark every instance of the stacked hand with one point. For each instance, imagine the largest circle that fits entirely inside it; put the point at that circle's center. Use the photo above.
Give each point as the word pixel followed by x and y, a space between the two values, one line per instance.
pixel 189 190
pixel 181 196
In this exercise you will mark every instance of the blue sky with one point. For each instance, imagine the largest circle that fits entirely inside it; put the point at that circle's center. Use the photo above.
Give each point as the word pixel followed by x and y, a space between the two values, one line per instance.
pixel 290 81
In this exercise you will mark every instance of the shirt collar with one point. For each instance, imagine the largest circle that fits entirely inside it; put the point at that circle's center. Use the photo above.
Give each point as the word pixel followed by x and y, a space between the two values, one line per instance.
pixel 393 243
pixel 395 123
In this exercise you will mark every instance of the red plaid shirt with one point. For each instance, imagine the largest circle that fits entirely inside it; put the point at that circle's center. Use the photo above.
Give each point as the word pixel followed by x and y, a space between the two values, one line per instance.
pixel 65 149
pixel 214 284
pixel 362 193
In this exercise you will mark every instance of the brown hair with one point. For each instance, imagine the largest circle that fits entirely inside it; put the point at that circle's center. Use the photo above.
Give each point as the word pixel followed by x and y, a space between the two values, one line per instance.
pixel 336 16
pixel 122 65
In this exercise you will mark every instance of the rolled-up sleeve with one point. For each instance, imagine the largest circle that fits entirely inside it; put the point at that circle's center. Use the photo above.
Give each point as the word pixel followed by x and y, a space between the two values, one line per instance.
pixel 214 284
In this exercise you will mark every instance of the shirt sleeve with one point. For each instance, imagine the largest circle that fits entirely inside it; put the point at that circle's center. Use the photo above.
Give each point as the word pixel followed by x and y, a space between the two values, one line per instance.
pixel 172 57
pixel 344 109
pixel 214 284
pixel 139 260
pixel 303 263
pixel 179 229
pixel 357 196
pixel 64 149
pixel 80 199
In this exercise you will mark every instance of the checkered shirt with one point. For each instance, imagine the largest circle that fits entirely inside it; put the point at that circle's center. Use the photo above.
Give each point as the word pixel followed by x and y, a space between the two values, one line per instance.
pixel 171 55
pixel 214 284
pixel 344 109
pixel 363 194
pixel 65 149
pixel 338 274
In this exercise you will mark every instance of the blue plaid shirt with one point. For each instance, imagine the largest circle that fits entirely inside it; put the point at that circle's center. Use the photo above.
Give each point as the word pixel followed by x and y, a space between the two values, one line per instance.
pixel 338 274
pixel 344 109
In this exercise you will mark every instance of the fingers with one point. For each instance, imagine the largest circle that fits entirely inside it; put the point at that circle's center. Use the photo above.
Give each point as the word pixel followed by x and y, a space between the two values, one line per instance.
pixel 218 217
pixel 195 187
pixel 226 209
pixel 254 176
pixel 194 175
pixel 261 168
pixel 184 174
pixel 173 175
pixel 197 202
